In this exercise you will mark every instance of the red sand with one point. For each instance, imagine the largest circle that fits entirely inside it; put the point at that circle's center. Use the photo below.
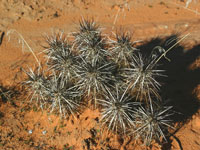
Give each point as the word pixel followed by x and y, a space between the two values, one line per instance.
pixel 33 19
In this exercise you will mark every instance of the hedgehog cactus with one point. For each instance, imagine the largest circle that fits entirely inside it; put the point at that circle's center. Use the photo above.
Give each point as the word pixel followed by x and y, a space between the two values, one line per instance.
pixel 113 74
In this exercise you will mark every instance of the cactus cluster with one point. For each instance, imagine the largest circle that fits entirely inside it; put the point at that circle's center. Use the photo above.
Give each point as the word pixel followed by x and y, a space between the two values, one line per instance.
pixel 111 74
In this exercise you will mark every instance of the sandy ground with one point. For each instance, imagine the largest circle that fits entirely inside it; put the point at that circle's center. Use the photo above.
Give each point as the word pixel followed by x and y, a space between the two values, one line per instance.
pixel 23 126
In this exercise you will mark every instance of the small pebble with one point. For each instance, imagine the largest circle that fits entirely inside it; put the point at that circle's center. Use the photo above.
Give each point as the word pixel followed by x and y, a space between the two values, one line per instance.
pixel 30 131
pixel 186 25
pixel 44 132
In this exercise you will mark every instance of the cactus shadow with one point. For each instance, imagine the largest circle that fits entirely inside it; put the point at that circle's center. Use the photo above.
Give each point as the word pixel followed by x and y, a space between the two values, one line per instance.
pixel 179 85
pixel 8 94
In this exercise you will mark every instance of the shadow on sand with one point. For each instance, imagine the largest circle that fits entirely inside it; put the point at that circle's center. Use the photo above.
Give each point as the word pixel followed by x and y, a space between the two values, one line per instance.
pixel 178 86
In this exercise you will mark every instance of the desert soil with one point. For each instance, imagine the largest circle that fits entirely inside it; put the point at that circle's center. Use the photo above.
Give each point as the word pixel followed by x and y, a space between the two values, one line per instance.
pixel 25 127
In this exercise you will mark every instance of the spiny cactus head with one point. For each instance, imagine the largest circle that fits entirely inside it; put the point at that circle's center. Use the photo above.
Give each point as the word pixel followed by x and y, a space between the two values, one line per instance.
pixel 122 49
pixel 117 110
pixel 62 97
pixel 152 123
pixel 88 25
pixel 142 78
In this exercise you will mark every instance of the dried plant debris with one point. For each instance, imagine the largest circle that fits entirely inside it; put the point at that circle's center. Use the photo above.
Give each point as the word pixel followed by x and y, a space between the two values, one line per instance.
pixel 1 37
